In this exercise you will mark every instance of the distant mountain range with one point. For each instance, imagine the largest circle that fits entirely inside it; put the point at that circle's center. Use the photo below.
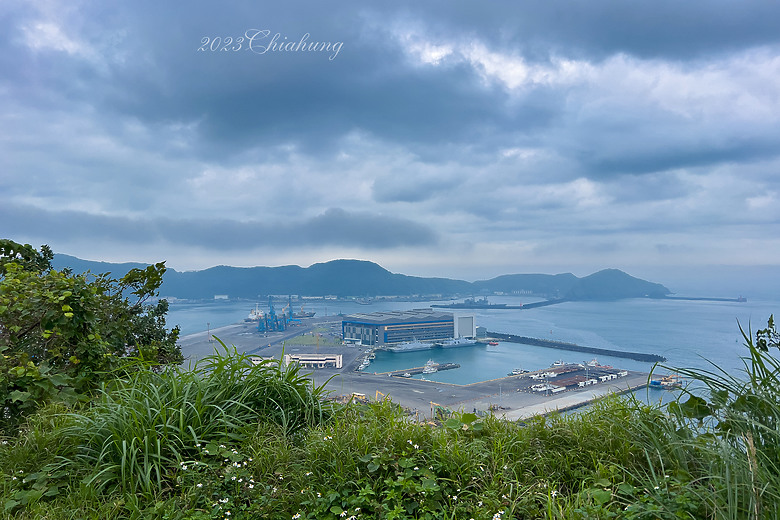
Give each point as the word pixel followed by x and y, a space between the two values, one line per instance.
pixel 359 278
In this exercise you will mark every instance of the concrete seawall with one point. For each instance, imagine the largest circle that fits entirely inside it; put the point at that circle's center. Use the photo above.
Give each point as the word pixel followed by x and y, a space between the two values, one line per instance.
pixel 562 345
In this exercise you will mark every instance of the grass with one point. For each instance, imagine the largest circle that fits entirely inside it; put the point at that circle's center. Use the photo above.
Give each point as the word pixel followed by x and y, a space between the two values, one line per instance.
pixel 320 336
pixel 233 440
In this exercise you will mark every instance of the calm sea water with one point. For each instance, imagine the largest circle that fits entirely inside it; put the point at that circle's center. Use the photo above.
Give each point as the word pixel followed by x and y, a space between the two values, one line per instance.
pixel 687 333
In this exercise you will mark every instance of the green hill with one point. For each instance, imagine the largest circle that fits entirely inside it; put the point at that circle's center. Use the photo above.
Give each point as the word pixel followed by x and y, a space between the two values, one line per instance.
pixel 362 278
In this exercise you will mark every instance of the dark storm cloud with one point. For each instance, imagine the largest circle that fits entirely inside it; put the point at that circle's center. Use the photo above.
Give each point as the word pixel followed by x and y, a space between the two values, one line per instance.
pixel 665 155
pixel 491 123
pixel 149 66
pixel 600 28
pixel 335 227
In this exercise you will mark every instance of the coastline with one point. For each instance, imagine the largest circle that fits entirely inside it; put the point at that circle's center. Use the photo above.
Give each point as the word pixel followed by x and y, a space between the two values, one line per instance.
pixel 507 396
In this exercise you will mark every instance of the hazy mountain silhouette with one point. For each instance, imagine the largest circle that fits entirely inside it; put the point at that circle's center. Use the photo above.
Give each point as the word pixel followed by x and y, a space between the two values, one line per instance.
pixel 361 278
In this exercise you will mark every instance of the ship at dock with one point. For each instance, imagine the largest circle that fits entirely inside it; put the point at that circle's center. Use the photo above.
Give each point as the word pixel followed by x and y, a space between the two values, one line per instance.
pixel 410 346
pixel 457 342
pixel 473 303
pixel 255 315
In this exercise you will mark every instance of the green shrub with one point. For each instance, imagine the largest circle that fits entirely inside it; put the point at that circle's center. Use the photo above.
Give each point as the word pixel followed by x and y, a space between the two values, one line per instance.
pixel 143 426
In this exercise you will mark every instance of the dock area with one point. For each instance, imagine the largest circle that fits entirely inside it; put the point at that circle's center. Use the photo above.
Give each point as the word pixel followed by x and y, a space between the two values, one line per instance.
pixel 512 397
pixel 419 370
pixel 562 345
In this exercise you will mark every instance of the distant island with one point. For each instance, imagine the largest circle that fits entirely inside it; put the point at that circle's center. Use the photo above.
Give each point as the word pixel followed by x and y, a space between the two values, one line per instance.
pixel 363 279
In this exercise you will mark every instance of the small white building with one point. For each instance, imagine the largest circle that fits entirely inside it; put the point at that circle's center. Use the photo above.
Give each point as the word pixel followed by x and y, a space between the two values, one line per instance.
pixel 315 360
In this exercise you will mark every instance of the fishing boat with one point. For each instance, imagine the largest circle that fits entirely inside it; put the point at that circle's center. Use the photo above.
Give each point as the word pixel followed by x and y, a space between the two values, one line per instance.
pixel 430 367
pixel 593 363
pixel 493 343
pixel 668 382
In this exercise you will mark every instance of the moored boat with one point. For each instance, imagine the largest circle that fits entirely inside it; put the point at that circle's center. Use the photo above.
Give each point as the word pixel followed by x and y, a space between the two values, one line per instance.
pixel 410 346
pixel 430 367
pixel 255 315
pixel 457 342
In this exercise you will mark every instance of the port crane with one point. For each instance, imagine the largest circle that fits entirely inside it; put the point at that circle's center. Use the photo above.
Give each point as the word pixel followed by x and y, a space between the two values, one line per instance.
pixel 271 321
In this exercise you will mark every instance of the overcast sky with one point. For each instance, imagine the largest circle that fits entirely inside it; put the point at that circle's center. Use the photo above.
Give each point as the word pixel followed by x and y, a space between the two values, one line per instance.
pixel 457 139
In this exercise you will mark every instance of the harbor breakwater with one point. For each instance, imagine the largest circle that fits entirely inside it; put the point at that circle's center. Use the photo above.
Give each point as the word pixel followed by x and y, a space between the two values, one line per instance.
pixel 562 345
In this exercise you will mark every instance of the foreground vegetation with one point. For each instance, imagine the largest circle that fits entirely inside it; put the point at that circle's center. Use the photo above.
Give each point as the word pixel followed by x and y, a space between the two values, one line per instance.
pixel 236 440
pixel 99 422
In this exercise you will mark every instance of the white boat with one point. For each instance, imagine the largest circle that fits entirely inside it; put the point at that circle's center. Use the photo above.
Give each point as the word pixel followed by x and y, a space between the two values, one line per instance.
pixel 255 315
pixel 517 372
pixel 457 342
pixel 430 367
pixel 595 364
pixel 410 346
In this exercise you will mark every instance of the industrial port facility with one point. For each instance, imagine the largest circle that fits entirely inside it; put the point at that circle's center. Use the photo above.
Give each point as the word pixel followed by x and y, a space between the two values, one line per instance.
pixel 342 364
pixel 391 328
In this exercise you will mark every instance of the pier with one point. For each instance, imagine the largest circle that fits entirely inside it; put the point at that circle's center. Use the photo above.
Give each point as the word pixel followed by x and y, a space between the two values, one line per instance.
pixel 741 299
pixel 419 370
pixel 562 345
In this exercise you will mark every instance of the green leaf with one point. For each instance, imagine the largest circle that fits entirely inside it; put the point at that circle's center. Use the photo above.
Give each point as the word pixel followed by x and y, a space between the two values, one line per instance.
pixel 601 496
pixel 453 424
pixel 428 483
pixel 695 408
pixel 468 418
pixel 18 395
